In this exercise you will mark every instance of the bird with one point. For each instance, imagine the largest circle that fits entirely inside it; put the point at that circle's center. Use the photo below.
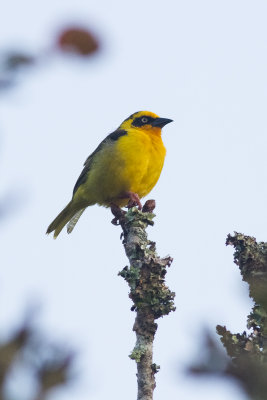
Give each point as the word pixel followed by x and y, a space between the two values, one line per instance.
pixel 123 168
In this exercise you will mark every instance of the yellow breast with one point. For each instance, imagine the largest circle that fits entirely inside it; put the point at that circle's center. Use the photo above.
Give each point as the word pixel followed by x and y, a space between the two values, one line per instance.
pixel 143 155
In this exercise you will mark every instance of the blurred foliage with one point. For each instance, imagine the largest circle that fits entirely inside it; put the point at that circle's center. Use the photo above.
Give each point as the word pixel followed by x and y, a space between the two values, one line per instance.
pixel 26 351
pixel 247 352
pixel 47 366
pixel 70 40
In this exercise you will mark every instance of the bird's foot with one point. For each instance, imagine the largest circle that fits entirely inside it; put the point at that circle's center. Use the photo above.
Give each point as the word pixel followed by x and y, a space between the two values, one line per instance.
pixel 134 200
pixel 117 212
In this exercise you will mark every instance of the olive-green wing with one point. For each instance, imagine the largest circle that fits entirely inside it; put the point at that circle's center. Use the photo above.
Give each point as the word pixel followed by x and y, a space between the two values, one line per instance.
pixel 88 163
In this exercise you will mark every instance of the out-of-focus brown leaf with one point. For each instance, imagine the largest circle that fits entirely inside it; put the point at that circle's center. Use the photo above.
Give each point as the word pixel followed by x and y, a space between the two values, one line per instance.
pixel 77 40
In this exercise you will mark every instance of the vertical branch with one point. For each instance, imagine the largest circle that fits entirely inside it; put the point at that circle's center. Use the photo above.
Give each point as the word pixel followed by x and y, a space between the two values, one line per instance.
pixel 151 297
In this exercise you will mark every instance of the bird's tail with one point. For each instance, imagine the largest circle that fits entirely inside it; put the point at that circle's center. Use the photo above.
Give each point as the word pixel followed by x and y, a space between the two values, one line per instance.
pixel 62 219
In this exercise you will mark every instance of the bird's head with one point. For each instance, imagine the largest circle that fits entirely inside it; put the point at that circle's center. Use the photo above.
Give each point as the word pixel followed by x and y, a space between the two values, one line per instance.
pixel 145 120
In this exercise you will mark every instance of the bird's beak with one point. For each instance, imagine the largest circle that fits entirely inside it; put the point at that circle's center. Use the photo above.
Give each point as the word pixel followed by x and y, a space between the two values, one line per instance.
pixel 161 122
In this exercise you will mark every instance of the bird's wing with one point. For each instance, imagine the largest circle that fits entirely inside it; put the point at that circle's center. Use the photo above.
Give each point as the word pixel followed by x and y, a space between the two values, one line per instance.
pixel 88 162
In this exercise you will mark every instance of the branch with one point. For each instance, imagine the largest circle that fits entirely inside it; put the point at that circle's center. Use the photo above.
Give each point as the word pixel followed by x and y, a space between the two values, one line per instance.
pixel 247 351
pixel 151 297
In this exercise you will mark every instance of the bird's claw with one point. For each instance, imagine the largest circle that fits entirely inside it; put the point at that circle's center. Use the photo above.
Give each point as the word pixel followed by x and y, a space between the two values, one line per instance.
pixel 134 200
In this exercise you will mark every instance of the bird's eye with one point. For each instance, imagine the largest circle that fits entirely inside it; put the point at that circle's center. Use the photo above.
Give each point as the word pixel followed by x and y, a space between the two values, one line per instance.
pixel 144 120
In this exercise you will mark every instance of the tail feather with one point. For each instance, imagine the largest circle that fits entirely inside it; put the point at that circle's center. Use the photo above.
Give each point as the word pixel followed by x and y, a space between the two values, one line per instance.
pixel 62 219
pixel 74 220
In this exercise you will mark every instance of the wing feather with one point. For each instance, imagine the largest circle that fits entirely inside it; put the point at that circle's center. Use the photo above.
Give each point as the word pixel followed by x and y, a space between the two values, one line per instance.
pixel 88 162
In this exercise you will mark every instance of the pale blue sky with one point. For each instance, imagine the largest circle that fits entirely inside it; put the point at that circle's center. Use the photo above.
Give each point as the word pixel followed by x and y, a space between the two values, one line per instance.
pixel 202 64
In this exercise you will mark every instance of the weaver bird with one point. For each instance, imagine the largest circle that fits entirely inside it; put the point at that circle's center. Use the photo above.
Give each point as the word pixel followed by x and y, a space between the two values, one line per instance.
pixel 123 168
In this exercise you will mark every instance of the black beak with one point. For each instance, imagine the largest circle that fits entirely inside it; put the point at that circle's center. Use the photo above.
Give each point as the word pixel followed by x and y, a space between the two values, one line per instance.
pixel 161 122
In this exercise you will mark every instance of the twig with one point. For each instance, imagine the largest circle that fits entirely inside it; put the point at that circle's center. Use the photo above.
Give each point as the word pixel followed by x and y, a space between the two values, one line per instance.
pixel 151 297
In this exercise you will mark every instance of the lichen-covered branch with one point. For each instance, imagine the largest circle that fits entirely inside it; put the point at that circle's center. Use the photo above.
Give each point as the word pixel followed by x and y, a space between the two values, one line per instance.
pixel 247 351
pixel 251 257
pixel 151 297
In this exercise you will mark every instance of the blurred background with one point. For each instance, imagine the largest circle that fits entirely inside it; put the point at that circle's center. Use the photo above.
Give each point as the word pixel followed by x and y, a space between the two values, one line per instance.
pixel 70 72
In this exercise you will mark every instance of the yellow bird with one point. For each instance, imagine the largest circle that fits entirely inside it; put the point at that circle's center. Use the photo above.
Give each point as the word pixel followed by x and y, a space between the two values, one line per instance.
pixel 124 167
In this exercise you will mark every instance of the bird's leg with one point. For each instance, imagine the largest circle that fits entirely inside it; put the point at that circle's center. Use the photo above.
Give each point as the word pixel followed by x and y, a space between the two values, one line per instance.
pixel 134 200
